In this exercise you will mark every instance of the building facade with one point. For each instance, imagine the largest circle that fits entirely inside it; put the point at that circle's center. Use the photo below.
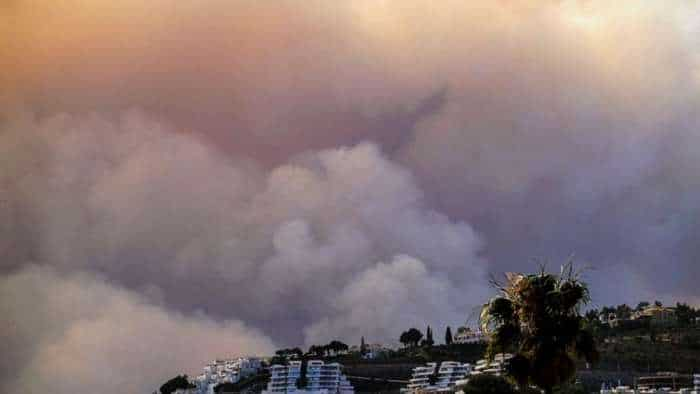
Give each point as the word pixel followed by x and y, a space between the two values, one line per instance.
pixel 321 378
pixel 420 377
pixel 432 379
pixel 452 373
pixel 467 335
pixel 493 367
pixel 657 315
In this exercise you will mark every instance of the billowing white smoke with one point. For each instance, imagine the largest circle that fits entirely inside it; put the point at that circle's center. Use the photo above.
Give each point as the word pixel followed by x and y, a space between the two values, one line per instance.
pixel 551 127
pixel 336 244
pixel 76 333
pixel 391 287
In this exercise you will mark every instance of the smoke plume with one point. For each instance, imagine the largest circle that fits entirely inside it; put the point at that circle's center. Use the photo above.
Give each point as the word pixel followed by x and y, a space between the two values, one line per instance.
pixel 302 172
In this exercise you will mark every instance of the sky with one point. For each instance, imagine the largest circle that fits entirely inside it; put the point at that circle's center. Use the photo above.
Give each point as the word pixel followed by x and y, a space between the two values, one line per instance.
pixel 181 181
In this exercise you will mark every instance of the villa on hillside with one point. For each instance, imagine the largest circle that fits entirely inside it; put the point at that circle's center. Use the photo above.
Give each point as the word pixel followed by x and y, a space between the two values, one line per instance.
pixel 653 314
pixel 659 315
pixel 467 335
pixel 372 350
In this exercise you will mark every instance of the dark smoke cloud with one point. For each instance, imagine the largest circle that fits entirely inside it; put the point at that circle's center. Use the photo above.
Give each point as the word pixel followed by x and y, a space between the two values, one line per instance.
pixel 289 163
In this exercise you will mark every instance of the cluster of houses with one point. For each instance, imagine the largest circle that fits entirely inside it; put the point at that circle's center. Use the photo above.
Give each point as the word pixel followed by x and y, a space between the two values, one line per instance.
pixel 226 371
pixel 445 377
pixel 449 376
pixel 661 383
pixel 655 314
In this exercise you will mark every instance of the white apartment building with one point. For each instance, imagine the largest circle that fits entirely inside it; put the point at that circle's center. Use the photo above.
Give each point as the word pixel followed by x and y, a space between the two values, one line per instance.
pixel 321 378
pixel 446 377
pixel 494 367
pixel 328 377
pixel 451 372
pixel 283 378
pixel 420 378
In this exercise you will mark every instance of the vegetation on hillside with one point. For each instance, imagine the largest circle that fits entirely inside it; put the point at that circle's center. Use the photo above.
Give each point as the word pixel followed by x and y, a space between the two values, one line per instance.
pixel 178 382
pixel 253 383
pixel 536 317
pixel 488 384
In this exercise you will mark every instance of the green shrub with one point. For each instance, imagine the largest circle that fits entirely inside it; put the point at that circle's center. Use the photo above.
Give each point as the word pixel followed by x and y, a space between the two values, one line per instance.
pixel 488 384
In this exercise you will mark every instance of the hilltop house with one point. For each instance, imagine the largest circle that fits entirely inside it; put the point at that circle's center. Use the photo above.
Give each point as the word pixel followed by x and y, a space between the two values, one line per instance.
pixel 657 315
pixel 467 335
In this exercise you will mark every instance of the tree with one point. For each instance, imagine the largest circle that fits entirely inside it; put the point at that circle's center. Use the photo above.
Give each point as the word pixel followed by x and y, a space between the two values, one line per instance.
pixel 448 336
pixel 488 384
pixel 289 353
pixel 336 347
pixel 592 320
pixel 592 316
pixel 606 311
pixel 404 338
pixel 537 318
pixel 178 382
pixel 623 312
pixel 641 306
pixel 684 314
pixel 415 336
pixel 411 337
pixel 363 346
pixel 316 350
pixel 429 337
pixel 302 380
pixel 658 304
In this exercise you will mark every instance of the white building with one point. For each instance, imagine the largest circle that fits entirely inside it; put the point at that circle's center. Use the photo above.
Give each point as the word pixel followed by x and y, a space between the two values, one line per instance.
pixel 283 378
pixel 451 372
pixel 226 371
pixel 608 318
pixel 321 378
pixel 375 350
pixel 641 389
pixel 431 379
pixel 420 378
pixel 467 335
pixel 326 377
pixel 493 367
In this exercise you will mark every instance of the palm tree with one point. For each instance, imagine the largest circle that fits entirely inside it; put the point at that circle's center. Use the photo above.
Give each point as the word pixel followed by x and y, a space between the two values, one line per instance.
pixel 537 317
